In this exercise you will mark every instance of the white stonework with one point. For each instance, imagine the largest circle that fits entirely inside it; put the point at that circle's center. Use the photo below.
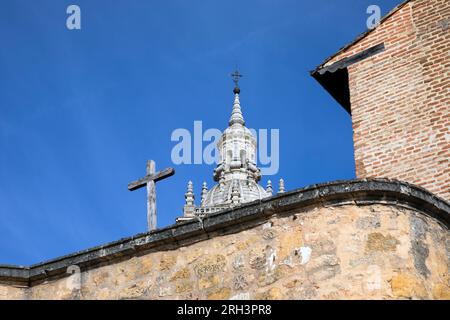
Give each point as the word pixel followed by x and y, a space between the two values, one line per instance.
pixel 236 173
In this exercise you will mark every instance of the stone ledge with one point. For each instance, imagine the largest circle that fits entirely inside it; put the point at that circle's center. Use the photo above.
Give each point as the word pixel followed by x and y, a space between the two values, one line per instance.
pixel 358 192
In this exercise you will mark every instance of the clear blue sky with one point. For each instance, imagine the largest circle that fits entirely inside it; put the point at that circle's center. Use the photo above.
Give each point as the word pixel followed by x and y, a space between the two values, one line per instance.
pixel 81 111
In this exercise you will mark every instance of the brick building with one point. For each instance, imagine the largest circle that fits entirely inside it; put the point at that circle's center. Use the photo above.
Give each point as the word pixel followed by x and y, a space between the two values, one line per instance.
pixel 395 82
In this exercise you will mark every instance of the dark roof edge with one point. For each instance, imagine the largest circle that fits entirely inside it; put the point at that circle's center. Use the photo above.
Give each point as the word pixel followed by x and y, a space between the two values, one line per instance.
pixel 359 192
pixel 360 36
pixel 334 77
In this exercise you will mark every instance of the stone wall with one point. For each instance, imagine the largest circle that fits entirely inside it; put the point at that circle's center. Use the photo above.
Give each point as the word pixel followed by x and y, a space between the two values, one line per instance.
pixel 12 292
pixel 344 252
pixel 400 98
pixel 359 239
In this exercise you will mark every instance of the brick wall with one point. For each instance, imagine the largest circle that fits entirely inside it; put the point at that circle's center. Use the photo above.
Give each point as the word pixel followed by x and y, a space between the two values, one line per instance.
pixel 400 98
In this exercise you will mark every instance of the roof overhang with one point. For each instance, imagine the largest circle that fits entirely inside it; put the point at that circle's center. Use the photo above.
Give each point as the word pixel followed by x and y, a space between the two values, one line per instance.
pixel 334 77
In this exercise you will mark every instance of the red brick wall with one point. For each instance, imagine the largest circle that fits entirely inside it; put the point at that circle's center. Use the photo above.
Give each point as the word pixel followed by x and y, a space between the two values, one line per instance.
pixel 400 98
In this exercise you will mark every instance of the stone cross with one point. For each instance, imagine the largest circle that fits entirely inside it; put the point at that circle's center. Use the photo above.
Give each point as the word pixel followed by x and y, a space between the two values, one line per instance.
pixel 149 180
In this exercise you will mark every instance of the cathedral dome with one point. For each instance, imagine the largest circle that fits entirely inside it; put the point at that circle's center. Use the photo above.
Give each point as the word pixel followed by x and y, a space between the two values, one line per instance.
pixel 236 173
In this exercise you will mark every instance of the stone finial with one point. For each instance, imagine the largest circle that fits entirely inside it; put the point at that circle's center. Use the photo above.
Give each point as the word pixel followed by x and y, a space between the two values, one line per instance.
pixel 222 181
pixel 236 114
pixel 281 186
pixel 249 178
pixel 189 195
pixel 269 188
pixel 235 194
pixel 204 192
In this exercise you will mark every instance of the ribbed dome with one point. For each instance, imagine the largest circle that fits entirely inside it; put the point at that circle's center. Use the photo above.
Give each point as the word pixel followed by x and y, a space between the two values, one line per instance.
pixel 249 191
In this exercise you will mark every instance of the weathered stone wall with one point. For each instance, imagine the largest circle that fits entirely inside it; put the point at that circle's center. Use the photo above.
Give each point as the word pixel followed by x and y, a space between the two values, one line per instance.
pixel 343 252
pixel 400 98
pixel 12 292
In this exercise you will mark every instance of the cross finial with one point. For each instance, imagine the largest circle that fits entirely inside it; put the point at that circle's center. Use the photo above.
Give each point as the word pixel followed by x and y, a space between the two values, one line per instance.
pixel 236 76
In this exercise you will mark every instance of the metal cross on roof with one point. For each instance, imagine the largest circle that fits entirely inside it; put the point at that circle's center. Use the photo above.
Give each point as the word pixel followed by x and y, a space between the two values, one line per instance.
pixel 236 75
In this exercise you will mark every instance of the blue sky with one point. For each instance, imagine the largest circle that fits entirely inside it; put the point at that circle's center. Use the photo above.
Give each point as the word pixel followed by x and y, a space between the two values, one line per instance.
pixel 81 111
